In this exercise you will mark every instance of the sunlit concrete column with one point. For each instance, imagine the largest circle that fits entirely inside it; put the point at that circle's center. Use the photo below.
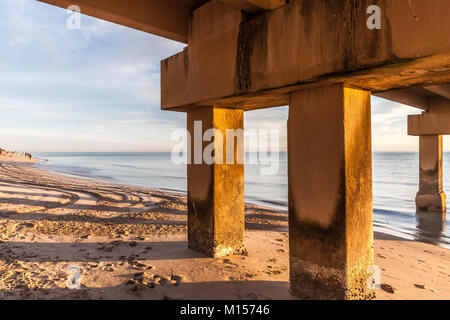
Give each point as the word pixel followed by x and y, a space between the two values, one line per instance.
pixel 215 191
pixel 431 196
pixel 330 193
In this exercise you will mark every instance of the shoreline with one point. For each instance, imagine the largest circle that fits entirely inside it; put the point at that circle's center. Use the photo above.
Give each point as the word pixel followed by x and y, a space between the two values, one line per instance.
pixel 393 213
pixel 378 225
pixel 130 243
pixel 180 192
pixel 34 162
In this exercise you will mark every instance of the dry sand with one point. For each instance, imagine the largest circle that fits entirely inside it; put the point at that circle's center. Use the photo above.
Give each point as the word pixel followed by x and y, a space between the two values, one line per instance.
pixel 130 243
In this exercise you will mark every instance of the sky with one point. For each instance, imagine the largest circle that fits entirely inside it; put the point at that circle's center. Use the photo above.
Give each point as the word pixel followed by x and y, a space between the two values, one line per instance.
pixel 98 88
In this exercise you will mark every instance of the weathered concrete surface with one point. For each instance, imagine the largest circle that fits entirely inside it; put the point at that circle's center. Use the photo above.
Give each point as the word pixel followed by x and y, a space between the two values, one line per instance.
pixel 216 192
pixel 255 6
pixel 311 54
pixel 330 192
pixel 429 123
pixel 431 196
pixel 256 61
pixel 429 98
pixel 166 18
pixel 441 90
pixel 440 103
pixel 409 96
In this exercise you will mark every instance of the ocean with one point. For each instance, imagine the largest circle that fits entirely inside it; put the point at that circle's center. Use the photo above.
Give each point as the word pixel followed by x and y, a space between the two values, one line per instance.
pixel 395 183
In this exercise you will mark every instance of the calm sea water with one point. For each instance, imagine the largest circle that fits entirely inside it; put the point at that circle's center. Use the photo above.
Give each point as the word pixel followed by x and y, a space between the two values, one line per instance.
pixel 395 183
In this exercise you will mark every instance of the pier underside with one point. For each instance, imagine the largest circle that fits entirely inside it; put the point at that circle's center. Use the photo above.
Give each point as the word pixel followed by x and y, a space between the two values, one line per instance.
pixel 320 58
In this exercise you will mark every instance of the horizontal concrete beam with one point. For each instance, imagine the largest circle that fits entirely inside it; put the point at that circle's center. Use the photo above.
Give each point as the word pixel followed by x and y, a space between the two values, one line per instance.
pixel 429 98
pixel 165 18
pixel 168 18
pixel 439 104
pixel 255 63
pixel 429 123
pixel 442 90
pixel 408 96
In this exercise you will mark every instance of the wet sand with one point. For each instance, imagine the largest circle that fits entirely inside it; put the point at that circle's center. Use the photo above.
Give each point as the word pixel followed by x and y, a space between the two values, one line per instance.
pixel 130 243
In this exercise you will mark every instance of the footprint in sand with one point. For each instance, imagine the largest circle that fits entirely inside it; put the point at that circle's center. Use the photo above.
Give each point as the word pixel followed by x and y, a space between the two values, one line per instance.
pixel 175 280
pixel 132 244
pixel 109 268
pixel 388 288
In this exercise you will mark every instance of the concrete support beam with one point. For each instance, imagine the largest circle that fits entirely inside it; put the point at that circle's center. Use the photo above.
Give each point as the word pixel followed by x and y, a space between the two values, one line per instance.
pixel 429 123
pixel 429 98
pixel 215 191
pixel 442 90
pixel 439 104
pixel 168 18
pixel 209 23
pixel 165 18
pixel 330 192
pixel 410 97
pixel 430 126
pixel 256 62
pixel 431 196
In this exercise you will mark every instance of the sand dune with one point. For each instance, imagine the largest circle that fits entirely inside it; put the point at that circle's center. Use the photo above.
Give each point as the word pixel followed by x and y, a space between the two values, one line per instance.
pixel 130 243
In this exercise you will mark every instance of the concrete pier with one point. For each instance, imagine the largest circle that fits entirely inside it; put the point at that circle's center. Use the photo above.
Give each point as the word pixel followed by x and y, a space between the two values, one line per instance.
pixel 431 196
pixel 430 126
pixel 319 57
pixel 330 192
pixel 215 191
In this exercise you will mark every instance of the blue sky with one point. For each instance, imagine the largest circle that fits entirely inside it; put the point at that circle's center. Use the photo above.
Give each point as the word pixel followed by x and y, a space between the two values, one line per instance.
pixel 97 88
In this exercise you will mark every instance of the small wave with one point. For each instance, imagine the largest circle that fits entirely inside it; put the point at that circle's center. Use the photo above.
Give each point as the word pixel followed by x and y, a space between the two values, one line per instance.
pixel 127 166
pixel 83 172
pixel 396 213
pixel 380 182
pixel 172 190
pixel 173 177
pixel 271 184
pixel 277 203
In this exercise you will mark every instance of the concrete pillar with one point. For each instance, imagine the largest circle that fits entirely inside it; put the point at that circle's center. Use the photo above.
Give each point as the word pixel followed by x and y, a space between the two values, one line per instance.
pixel 431 226
pixel 431 196
pixel 215 191
pixel 330 193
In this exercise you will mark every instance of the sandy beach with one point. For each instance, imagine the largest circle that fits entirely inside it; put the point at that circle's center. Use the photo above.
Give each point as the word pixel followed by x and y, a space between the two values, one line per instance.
pixel 130 243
